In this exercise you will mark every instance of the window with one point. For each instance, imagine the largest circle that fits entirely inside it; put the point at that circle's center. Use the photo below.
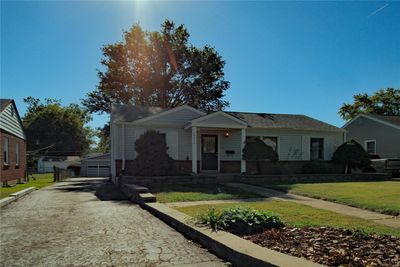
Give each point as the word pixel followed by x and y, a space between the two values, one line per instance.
pixel 271 141
pixel 316 148
pixel 5 151
pixel 370 146
pixel 17 154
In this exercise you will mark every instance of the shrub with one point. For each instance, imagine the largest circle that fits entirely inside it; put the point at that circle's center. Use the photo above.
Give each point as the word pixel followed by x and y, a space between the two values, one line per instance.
pixel 152 158
pixel 352 155
pixel 318 167
pixel 257 150
pixel 239 220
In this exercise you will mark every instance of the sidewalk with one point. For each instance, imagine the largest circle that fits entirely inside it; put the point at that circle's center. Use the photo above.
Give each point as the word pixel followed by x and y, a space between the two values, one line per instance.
pixel 269 194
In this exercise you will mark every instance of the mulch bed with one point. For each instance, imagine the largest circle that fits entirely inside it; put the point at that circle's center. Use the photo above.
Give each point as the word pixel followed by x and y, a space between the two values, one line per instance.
pixel 332 247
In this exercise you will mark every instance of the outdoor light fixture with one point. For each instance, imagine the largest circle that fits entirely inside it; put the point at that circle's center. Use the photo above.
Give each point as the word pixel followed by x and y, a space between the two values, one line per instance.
pixel 227 133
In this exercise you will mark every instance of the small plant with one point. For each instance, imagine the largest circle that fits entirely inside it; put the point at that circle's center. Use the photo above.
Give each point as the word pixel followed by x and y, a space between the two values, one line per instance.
pixel 239 220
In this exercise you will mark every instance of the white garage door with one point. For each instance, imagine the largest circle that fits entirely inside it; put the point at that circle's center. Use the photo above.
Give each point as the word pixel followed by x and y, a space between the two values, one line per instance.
pixel 98 170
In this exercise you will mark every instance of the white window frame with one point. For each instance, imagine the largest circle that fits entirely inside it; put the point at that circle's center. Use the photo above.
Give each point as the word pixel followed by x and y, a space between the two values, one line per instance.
pixel 6 154
pixel 17 157
pixel 365 146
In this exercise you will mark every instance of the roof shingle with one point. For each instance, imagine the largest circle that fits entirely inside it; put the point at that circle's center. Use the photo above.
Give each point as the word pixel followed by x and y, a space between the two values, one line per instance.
pixel 288 121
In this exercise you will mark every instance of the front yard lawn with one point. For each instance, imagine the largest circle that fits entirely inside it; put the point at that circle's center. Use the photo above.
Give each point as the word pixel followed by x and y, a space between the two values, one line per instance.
pixel 382 197
pixel 42 180
pixel 199 192
pixel 299 215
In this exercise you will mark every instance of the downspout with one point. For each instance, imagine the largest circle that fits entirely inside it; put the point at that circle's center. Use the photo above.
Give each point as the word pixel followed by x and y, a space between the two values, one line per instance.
pixel 123 147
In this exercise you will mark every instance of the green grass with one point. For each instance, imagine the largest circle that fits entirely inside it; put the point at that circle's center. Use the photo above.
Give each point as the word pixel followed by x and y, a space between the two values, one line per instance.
pixel 198 192
pixel 299 215
pixel 382 197
pixel 42 180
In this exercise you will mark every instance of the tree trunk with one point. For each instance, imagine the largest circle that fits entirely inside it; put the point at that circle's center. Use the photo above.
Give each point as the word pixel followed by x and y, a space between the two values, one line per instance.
pixel 258 167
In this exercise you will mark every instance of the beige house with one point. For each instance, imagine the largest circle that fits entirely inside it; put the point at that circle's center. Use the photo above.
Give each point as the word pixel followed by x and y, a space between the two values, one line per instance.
pixel 214 142
pixel 379 135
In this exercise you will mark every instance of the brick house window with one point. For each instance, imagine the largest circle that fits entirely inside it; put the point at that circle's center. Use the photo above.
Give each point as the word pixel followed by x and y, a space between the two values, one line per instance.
pixel 5 151
pixel 17 154
pixel 317 148
pixel 370 146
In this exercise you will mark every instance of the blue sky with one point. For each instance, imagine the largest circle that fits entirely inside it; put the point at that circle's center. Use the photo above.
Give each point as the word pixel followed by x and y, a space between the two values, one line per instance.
pixel 281 57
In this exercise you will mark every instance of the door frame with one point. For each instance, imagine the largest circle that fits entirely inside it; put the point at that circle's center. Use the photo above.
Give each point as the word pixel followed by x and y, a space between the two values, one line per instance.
pixel 218 153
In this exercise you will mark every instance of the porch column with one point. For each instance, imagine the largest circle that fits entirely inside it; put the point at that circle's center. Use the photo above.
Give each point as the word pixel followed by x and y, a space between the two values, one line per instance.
pixel 242 144
pixel 194 149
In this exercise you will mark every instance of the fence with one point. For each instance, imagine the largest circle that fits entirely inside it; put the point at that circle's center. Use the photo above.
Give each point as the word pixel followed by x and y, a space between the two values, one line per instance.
pixel 61 174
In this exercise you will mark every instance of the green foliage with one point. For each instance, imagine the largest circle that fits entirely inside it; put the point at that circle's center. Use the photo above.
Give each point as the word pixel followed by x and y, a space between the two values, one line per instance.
pixel 383 102
pixel 258 150
pixel 318 167
pixel 104 135
pixel 239 220
pixel 159 69
pixel 299 215
pixel 37 180
pixel 152 158
pixel 382 196
pixel 48 123
pixel 352 155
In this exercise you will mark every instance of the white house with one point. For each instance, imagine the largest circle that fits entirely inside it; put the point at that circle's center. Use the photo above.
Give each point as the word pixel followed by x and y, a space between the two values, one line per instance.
pixel 47 163
pixel 214 142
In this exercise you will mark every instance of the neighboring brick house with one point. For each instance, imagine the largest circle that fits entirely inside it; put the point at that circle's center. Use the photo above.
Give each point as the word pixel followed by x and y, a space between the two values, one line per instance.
pixel 12 145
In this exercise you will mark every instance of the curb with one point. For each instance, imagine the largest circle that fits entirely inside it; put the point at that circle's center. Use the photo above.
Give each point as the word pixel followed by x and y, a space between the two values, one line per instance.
pixel 238 251
pixel 15 196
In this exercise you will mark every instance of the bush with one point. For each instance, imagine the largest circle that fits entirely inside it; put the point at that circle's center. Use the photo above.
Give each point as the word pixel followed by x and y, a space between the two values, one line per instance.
pixel 257 150
pixel 352 155
pixel 239 220
pixel 318 167
pixel 152 158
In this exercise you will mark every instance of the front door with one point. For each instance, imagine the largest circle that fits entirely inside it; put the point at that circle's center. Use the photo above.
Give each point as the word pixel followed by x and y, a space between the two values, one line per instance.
pixel 209 152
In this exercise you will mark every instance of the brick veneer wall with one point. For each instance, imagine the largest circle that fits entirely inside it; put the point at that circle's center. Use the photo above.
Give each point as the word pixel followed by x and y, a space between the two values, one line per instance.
pixel 12 174
pixel 233 166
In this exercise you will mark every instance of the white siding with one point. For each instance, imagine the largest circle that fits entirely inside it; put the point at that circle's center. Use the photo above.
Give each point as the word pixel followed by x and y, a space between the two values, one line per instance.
pixel 117 138
pixel 9 121
pixel 129 142
pixel 291 147
pixel 185 144
pixel 230 143
pixel 288 144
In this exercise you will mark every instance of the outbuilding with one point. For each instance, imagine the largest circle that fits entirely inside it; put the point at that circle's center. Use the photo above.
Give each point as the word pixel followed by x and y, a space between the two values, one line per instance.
pixel 96 165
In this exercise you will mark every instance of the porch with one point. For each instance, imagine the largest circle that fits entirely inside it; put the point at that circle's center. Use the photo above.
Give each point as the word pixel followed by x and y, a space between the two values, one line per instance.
pixel 217 139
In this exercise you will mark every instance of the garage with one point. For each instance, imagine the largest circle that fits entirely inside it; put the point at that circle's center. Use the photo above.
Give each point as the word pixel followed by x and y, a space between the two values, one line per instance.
pixel 96 166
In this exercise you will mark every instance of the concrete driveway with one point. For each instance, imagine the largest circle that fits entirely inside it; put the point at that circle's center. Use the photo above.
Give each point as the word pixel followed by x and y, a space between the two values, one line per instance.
pixel 67 225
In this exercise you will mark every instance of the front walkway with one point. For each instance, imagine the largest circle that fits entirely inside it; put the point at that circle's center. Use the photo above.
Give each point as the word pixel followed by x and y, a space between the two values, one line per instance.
pixel 269 194
pixel 67 225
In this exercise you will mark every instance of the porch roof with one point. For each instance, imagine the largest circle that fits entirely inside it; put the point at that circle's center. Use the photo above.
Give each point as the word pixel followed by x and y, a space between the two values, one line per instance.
pixel 217 119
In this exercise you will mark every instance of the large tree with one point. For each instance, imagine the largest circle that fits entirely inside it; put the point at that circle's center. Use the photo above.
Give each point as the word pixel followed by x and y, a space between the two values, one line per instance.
pixel 62 128
pixel 383 102
pixel 104 139
pixel 162 68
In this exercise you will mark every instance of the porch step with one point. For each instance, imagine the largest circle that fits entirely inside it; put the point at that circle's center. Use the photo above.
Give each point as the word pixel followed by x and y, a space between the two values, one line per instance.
pixel 147 197
pixel 137 188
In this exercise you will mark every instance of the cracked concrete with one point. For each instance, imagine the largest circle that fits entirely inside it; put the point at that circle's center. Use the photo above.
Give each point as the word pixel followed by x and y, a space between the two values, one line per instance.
pixel 67 225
